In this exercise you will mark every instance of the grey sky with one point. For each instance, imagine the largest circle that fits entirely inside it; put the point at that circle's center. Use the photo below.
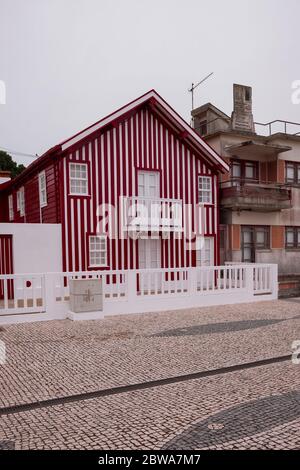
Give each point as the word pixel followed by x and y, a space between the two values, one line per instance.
pixel 67 63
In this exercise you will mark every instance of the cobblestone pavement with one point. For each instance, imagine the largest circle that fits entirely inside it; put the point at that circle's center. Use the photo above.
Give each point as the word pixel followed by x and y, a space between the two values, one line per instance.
pixel 258 408
pixel 254 409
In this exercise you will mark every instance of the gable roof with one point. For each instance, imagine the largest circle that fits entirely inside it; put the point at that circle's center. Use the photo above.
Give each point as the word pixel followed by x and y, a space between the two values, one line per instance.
pixel 161 107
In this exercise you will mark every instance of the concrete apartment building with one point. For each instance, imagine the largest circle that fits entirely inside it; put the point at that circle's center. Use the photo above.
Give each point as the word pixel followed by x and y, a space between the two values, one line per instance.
pixel 260 197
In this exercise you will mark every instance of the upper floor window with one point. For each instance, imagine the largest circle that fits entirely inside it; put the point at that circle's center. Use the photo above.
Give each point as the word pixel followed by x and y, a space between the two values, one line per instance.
pixel 247 94
pixel 21 201
pixel 292 172
pixel 98 251
pixel 42 189
pixel 78 179
pixel 10 207
pixel 257 237
pixel 292 237
pixel 244 170
pixel 262 238
pixel 205 189
pixel 203 127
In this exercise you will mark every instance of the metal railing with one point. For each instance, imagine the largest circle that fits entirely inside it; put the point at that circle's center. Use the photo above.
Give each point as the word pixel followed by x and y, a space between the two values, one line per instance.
pixel 270 128
pixel 282 127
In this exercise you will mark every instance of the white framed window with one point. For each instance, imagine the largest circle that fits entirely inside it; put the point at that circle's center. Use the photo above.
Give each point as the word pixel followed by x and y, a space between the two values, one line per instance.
pixel 97 251
pixel 42 189
pixel 205 189
pixel 205 251
pixel 18 200
pixel 21 201
pixel 148 184
pixel 78 179
pixel 10 207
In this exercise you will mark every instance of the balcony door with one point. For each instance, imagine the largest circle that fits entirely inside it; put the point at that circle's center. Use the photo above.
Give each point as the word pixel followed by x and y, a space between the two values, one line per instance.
pixel 148 184
pixel 244 171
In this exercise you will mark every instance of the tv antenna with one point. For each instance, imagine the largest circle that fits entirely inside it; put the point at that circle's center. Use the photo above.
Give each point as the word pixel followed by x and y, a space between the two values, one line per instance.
pixel 195 85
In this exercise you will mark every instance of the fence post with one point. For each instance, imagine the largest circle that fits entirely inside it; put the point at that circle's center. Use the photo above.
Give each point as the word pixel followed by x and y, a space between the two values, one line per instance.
pixel 131 287
pixel 274 280
pixel 192 281
pixel 49 294
pixel 249 280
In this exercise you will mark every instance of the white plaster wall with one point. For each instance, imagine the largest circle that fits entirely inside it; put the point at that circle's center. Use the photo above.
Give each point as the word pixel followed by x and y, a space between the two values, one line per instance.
pixel 37 248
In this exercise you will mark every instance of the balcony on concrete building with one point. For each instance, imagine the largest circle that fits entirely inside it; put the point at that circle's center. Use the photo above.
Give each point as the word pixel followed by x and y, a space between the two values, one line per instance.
pixel 237 195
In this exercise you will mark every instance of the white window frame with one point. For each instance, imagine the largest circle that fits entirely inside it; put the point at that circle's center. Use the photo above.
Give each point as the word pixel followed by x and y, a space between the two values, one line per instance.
pixel 43 189
pixel 100 251
pixel 145 185
pixel 78 165
pixel 18 200
pixel 21 201
pixel 201 249
pixel 11 207
pixel 204 193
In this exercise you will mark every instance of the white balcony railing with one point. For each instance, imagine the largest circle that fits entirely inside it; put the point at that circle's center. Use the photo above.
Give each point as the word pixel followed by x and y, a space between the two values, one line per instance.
pixel 152 214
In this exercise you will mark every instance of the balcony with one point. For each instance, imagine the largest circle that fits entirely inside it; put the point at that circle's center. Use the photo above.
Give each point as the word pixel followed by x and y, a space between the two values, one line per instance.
pixel 144 214
pixel 260 197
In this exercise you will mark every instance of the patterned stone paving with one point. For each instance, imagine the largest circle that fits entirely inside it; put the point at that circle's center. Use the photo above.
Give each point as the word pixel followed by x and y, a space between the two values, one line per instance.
pixel 189 415
pixel 257 408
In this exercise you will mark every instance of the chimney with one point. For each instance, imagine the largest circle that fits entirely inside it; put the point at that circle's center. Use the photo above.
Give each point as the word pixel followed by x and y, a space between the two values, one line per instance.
pixel 4 176
pixel 242 117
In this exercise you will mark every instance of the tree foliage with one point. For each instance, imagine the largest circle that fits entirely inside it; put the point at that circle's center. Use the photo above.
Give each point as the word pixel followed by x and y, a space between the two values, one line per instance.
pixel 8 164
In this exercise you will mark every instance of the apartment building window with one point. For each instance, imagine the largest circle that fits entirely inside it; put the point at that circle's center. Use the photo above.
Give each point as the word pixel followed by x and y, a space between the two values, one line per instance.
pixel 97 251
pixel 247 94
pixel 244 170
pixel 292 172
pixel 262 238
pixel 21 201
pixel 292 237
pixel 205 189
pixel 10 207
pixel 42 189
pixel 254 238
pixel 203 127
pixel 78 179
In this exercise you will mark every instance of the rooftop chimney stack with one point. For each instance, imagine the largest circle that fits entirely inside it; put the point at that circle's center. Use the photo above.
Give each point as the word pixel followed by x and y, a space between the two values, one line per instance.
pixel 242 117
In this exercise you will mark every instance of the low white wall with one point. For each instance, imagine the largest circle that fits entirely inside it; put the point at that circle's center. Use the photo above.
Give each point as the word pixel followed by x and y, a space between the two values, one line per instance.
pixel 37 248
pixel 47 296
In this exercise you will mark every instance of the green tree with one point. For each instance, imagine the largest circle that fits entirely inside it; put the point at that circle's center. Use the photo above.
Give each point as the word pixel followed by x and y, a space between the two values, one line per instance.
pixel 7 164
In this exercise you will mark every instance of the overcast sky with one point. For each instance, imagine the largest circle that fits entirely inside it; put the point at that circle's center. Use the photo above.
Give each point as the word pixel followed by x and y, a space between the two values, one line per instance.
pixel 67 63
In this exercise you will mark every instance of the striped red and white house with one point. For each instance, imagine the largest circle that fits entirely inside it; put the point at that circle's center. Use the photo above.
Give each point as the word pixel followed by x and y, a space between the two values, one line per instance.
pixel 143 151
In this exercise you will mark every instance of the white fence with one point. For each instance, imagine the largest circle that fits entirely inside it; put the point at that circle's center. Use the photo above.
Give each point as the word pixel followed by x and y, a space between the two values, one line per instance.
pixel 34 297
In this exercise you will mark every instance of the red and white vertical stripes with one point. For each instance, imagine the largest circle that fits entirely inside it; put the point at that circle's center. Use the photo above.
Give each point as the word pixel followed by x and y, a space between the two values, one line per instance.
pixel 114 156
